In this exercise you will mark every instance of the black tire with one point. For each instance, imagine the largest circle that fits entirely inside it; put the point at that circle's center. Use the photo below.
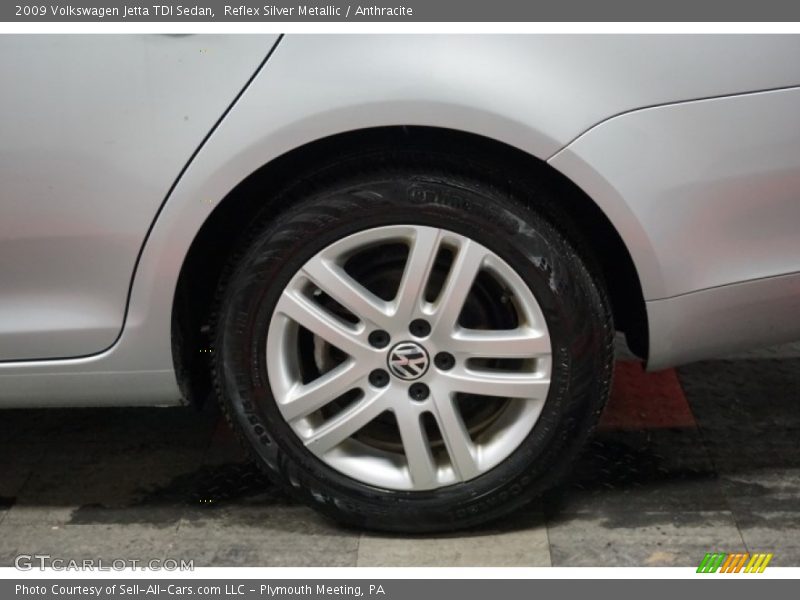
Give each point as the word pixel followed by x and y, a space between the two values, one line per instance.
pixel 330 206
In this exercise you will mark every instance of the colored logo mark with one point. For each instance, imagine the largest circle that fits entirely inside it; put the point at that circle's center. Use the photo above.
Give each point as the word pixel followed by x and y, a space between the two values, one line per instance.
pixel 720 562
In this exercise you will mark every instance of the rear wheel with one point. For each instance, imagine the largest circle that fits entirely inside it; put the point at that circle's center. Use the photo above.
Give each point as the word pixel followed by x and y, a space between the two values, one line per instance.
pixel 412 350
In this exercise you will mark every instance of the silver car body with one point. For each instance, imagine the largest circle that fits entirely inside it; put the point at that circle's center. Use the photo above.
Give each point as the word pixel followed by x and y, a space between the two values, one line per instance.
pixel 117 149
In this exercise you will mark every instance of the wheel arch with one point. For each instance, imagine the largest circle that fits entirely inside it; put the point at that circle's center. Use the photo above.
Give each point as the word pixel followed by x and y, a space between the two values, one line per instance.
pixel 211 248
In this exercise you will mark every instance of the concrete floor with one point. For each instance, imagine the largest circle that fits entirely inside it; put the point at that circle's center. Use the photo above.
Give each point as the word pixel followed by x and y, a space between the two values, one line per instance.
pixel 705 458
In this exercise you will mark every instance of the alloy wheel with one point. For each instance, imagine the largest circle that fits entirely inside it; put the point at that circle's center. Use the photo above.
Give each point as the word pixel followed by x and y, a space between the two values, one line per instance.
pixel 409 357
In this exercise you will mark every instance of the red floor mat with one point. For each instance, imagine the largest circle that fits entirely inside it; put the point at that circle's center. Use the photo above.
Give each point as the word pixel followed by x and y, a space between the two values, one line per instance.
pixel 641 400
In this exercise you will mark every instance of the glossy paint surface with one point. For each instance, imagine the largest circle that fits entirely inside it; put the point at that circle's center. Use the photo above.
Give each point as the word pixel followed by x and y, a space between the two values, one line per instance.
pixel 95 130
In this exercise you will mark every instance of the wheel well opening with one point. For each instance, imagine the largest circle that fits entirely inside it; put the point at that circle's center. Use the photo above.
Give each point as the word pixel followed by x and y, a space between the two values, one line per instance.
pixel 575 213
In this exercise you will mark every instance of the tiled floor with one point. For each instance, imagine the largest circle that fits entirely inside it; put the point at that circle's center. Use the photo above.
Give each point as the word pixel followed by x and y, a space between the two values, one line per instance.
pixel 705 458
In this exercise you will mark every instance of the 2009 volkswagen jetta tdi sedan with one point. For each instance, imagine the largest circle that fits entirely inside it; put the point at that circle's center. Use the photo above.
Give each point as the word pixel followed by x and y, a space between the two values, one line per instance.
pixel 400 262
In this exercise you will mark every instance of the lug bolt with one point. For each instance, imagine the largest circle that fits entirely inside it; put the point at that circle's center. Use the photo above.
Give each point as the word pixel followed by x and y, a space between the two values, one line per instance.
pixel 444 361
pixel 379 378
pixel 419 328
pixel 418 391
pixel 379 339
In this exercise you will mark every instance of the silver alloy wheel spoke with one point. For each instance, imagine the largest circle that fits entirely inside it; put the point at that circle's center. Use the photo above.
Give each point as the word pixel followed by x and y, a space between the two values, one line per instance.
pixel 513 343
pixel 304 399
pixel 420 460
pixel 343 433
pixel 421 255
pixel 499 384
pixel 334 281
pixel 458 285
pixel 456 438
pixel 319 322
pixel 348 423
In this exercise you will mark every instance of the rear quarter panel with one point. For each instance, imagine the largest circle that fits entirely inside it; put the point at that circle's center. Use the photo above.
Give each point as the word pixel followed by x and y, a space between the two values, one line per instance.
pixel 538 93
pixel 94 131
